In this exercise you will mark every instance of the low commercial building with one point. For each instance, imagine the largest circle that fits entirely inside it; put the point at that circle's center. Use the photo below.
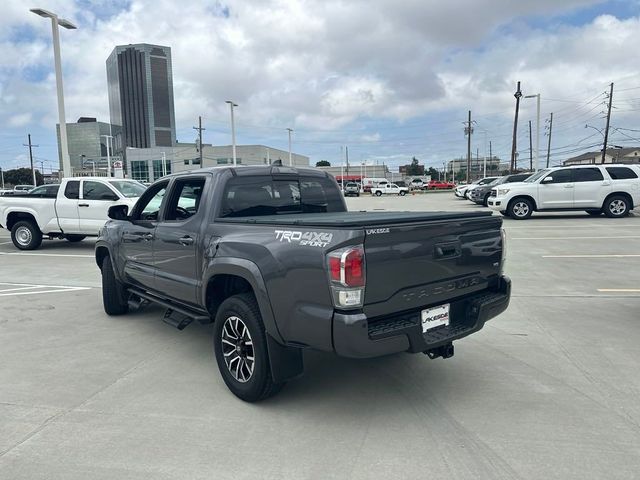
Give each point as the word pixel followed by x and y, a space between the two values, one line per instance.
pixel 149 164
pixel 357 172
pixel 612 155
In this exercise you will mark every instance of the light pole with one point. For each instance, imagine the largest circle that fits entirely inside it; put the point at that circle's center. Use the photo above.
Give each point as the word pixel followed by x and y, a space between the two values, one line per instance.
pixel 233 131
pixel 164 164
pixel 55 21
pixel 108 141
pixel 290 161
pixel 537 95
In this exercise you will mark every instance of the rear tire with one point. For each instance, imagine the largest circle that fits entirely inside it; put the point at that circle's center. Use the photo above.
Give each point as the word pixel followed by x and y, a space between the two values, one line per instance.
pixel 378 193
pixel 616 206
pixel 402 193
pixel 240 346
pixel 114 293
pixel 520 209
pixel 26 235
pixel 485 202
pixel 75 238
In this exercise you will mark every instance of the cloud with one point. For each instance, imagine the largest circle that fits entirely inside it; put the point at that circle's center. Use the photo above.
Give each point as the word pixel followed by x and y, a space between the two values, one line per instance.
pixel 322 67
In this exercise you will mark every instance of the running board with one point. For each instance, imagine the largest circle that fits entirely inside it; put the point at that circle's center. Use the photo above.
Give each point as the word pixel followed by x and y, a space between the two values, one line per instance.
pixel 178 317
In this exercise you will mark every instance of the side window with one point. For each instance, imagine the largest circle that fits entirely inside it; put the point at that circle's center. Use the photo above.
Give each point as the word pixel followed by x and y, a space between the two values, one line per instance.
pixel 148 207
pixel 561 176
pixel 72 190
pixel 587 175
pixel 185 199
pixel 97 191
pixel 621 173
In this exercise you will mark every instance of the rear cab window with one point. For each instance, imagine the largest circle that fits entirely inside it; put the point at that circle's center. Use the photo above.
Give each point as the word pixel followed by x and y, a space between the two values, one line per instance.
pixel 72 190
pixel 266 195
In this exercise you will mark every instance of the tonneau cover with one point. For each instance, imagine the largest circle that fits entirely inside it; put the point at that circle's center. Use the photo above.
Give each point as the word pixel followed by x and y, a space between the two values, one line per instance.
pixel 352 219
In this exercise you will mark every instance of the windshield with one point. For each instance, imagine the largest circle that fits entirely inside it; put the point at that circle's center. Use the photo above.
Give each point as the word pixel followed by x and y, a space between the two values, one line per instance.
pixel 536 176
pixel 128 189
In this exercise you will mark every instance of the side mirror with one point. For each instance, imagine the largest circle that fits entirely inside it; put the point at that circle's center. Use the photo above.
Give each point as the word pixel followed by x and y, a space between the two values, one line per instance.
pixel 547 179
pixel 118 212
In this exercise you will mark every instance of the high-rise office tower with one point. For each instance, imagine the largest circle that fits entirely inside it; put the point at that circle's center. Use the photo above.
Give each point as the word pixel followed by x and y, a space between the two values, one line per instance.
pixel 140 82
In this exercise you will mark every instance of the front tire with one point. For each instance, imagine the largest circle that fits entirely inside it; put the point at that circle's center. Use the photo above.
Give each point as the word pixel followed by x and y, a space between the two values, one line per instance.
pixel 402 193
pixel 485 202
pixel 114 293
pixel 616 206
pixel 240 346
pixel 520 209
pixel 26 235
pixel 378 193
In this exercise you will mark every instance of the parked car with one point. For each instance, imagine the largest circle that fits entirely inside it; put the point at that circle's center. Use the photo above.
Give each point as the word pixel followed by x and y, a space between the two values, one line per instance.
pixel 44 191
pixel 351 188
pixel 610 189
pixel 401 183
pixel 460 189
pixel 438 185
pixel 369 182
pixel 389 189
pixel 271 256
pixel 22 188
pixel 479 183
pixel 79 210
pixel 416 184
pixel 481 194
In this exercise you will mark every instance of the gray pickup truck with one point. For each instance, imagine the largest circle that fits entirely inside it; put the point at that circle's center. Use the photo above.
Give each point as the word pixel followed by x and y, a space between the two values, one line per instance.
pixel 273 258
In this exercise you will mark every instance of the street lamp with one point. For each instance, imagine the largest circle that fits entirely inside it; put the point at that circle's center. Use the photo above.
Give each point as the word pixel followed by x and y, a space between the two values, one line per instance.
pixel 537 95
pixel 233 130
pixel 55 21
pixel 290 130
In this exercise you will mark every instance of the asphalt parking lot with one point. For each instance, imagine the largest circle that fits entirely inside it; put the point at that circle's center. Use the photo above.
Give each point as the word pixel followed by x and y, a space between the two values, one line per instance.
pixel 547 390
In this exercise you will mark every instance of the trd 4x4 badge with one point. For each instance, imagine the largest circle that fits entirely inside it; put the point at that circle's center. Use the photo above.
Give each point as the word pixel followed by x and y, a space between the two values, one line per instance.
pixel 311 239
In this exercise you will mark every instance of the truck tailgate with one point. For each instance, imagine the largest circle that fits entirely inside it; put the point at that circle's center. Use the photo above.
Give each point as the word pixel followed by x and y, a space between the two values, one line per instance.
pixel 426 263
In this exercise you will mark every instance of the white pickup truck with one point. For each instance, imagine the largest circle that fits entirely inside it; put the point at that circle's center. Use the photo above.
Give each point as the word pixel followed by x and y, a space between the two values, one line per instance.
pixel 79 210
pixel 389 189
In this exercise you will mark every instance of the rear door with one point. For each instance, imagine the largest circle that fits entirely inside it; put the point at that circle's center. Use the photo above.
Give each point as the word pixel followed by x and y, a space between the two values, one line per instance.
pixel 590 187
pixel 557 193
pixel 67 207
pixel 95 200
pixel 176 239
pixel 409 266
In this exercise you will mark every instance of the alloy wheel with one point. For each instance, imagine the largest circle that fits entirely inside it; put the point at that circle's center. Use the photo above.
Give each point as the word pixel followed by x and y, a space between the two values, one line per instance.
pixel 237 349
pixel 520 209
pixel 617 207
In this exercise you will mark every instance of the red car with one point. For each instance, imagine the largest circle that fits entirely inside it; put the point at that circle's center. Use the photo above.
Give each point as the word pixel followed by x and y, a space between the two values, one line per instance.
pixel 438 185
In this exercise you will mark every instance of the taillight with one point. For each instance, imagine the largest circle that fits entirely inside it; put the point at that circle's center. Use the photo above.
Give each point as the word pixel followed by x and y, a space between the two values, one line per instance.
pixel 347 276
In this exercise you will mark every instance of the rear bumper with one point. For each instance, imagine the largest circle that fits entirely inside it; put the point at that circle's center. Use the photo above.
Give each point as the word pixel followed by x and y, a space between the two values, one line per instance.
pixel 356 336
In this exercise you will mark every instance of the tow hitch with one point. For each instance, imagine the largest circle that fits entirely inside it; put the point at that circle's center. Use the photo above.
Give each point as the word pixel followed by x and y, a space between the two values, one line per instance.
pixel 444 351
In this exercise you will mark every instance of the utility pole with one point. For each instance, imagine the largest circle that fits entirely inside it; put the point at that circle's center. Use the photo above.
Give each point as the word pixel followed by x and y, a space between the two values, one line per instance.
pixel 478 160
pixel 346 153
pixel 530 149
pixel 518 94
pixel 2 177
pixel 33 172
pixel 290 161
pixel 468 130
pixel 200 129
pixel 233 130
pixel 549 144
pixel 606 130
pixel 490 153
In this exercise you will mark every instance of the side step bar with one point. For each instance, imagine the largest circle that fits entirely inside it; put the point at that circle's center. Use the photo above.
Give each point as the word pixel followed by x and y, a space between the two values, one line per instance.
pixel 178 317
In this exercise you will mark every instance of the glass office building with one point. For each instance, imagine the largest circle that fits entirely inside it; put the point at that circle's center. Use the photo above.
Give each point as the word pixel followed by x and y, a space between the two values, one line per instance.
pixel 87 146
pixel 140 85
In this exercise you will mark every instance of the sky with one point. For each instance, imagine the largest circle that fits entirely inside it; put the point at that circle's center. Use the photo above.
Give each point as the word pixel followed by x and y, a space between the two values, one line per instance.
pixel 390 80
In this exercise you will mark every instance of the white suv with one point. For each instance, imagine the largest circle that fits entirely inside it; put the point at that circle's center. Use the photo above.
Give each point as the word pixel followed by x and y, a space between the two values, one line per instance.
pixel 610 189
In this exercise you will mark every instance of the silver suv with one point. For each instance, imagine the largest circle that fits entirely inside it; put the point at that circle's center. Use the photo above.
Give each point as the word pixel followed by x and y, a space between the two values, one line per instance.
pixel 351 188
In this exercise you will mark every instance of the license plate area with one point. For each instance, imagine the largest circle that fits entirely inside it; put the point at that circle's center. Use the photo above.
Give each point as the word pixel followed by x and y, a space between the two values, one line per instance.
pixel 435 317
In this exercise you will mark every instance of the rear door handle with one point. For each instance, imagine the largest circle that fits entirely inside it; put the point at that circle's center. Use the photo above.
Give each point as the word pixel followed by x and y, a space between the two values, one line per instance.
pixel 186 240
pixel 83 204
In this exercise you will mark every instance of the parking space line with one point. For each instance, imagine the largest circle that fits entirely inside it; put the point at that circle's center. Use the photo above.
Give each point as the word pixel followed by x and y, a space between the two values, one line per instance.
pixel 590 256
pixel 47 254
pixel 20 288
pixel 60 290
pixel 562 227
pixel 627 290
pixel 575 238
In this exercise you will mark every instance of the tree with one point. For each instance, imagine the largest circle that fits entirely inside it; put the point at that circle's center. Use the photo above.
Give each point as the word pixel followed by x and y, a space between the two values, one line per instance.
pixel 323 163
pixel 22 176
pixel 414 168
pixel 433 173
